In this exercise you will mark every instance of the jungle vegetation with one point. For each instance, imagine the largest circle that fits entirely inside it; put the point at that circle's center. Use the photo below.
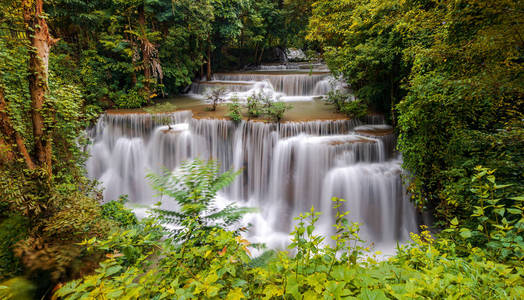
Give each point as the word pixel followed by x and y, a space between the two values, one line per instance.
pixel 448 73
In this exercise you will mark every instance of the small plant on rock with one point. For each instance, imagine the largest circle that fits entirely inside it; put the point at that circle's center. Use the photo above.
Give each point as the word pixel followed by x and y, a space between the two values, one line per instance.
pixel 215 96
pixel 160 113
pixel 276 111
pixel 234 111
pixel 255 105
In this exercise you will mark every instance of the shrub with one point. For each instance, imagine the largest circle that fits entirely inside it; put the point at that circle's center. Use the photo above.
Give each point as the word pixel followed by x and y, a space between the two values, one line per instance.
pixel 116 211
pixel 338 99
pixel 131 99
pixel 234 111
pixel 17 288
pixel 255 104
pixel 355 109
pixel 275 111
pixel 12 229
pixel 215 96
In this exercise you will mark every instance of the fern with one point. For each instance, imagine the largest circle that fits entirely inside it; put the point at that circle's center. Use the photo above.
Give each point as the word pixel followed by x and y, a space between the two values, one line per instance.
pixel 194 186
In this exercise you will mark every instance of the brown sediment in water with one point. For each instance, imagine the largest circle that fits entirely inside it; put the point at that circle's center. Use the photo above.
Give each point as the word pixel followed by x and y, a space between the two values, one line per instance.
pixel 304 72
pixel 376 132
pixel 302 111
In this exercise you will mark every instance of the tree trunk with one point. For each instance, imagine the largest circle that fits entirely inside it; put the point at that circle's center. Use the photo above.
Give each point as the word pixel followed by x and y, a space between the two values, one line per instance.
pixel 392 92
pixel 134 79
pixel 256 54
pixel 209 58
pixel 261 55
pixel 41 43
pixel 146 52
pixel 9 136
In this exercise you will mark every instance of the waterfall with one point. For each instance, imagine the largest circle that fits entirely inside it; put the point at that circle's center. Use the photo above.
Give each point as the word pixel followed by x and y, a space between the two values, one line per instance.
pixel 290 82
pixel 287 168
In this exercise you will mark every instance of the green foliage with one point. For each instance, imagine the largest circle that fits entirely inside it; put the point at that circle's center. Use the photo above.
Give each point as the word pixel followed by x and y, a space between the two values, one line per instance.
pixel 261 104
pixel 456 97
pixel 275 110
pixel 347 104
pixel 217 266
pixel 116 211
pixel 17 288
pixel 194 187
pixel 354 109
pixel 130 99
pixel 338 98
pixel 12 230
pixel 234 111
pixel 211 265
pixel 363 43
pixel 131 245
pixel 496 222
pixel 254 104
pixel 124 47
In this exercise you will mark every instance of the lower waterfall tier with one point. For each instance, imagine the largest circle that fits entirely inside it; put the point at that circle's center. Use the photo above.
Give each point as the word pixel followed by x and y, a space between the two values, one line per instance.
pixel 287 168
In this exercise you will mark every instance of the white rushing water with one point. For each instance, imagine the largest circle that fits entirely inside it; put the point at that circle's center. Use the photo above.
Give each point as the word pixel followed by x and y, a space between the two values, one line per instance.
pixel 291 82
pixel 287 168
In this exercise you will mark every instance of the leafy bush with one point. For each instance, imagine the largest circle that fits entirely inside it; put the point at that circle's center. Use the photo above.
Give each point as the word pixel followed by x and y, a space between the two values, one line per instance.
pixel 338 98
pixel 496 222
pixel 275 110
pixel 255 104
pixel 312 55
pixel 234 111
pixel 261 104
pixel 12 230
pixel 131 245
pixel 354 109
pixel 17 288
pixel 116 211
pixel 132 99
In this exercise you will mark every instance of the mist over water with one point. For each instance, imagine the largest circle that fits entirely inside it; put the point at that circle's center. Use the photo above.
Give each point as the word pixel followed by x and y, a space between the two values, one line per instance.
pixel 287 168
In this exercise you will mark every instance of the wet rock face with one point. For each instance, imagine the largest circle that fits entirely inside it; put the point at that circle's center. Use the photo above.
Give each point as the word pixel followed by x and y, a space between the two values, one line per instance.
pixel 294 54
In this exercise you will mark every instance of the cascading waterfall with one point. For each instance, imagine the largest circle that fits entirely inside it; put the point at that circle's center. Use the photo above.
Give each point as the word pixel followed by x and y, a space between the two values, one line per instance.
pixel 291 82
pixel 288 84
pixel 287 168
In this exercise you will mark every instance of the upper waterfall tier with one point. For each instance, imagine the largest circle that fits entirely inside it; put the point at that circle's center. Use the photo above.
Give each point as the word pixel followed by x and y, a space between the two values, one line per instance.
pixel 287 168
pixel 291 82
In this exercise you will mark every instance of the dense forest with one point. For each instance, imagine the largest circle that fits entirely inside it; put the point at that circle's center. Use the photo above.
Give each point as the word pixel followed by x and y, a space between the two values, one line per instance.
pixel 448 75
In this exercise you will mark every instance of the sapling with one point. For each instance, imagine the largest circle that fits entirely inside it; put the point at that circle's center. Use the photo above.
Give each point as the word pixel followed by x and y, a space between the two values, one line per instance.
pixel 215 96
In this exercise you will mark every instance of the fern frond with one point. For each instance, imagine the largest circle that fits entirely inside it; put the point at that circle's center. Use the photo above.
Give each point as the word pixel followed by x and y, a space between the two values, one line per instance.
pixel 194 186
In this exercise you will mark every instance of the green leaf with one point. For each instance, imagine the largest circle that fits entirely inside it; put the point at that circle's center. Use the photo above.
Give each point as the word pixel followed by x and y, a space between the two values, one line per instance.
pixel 514 211
pixel 113 270
pixel 366 294
pixel 465 233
